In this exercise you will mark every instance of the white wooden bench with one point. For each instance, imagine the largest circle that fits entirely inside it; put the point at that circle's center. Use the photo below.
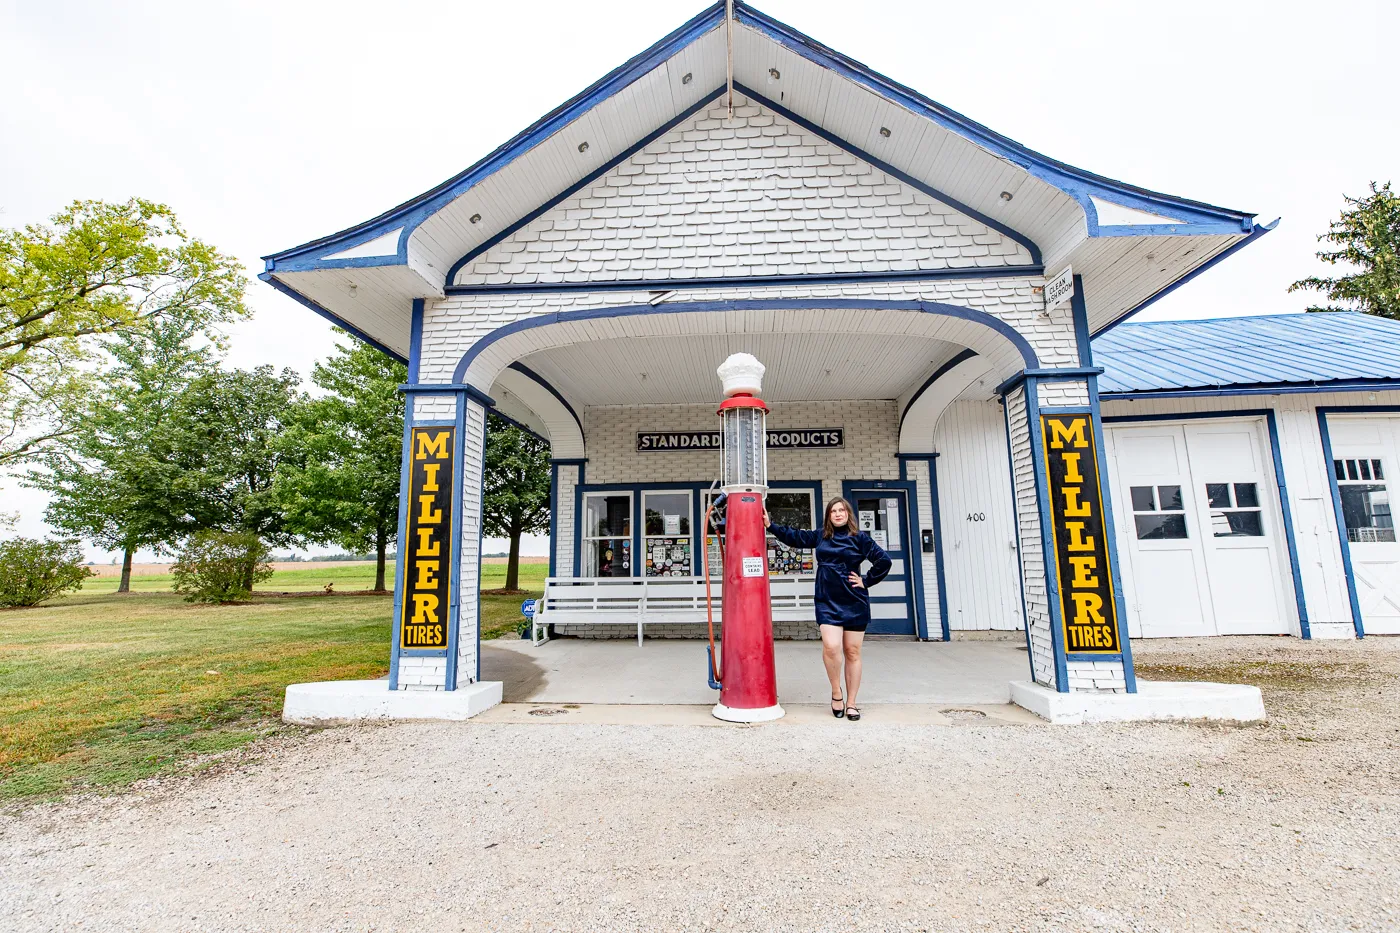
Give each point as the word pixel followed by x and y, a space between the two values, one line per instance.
pixel 643 601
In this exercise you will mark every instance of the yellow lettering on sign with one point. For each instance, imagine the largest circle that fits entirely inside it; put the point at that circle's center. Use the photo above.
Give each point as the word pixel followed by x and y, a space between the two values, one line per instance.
pixel 424 534
pixel 435 446
pixel 424 608
pixel 1073 507
pixel 1083 571
pixel 1072 474
pixel 1086 608
pixel 1078 541
pixel 427 514
pixel 426 580
pixel 1074 434
pixel 431 469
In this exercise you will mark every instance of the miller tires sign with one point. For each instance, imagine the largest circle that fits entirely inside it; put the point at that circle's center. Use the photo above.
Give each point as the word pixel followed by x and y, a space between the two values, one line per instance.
pixel 1082 572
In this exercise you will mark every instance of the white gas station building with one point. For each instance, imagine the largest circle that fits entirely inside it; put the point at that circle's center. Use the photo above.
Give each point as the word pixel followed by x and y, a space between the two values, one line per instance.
pixel 944 317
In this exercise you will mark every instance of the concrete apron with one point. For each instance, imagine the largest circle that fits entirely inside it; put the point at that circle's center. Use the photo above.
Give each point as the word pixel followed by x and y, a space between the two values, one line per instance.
pixel 663 681
pixel 673 672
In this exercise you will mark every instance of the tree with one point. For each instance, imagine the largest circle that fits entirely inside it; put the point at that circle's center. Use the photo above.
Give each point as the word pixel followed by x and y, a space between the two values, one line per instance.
pixel 515 498
pixel 338 478
pixel 129 473
pixel 1369 237
pixel 238 417
pixel 98 269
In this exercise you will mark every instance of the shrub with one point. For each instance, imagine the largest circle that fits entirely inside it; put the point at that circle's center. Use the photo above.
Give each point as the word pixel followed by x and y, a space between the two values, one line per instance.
pixel 221 566
pixel 33 571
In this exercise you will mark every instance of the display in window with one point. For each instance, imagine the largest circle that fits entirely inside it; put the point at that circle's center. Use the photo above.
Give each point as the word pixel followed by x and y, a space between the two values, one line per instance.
pixel 668 557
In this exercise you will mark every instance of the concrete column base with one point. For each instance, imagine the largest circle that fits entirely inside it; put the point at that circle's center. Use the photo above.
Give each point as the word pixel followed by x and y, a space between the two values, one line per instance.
pixel 338 701
pixel 1155 701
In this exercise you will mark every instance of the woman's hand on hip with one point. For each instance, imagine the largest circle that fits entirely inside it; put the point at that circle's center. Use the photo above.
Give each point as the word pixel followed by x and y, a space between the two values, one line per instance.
pixel 856 581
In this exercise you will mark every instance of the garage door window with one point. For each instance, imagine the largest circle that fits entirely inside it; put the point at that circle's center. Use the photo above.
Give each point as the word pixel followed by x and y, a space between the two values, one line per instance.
pixel 1158 512
pixel 1365 502
pixel 1235 511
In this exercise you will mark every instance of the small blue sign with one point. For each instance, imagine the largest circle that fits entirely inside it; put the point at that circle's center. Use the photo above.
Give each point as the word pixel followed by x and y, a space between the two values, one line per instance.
pixel 527 608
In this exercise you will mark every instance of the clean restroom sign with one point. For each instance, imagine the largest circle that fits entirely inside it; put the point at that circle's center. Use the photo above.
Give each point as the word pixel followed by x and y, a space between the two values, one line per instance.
pixel 1059 289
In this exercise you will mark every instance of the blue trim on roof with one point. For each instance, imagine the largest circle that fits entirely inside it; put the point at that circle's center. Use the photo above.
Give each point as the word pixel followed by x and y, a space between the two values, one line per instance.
pixel 1199 217
pixel 1073 181
pixel 889 169
pixel 331 316
pixel 413 212
pixel 1258 231
pixel 959 273
pixel 746 304
pixel 584 182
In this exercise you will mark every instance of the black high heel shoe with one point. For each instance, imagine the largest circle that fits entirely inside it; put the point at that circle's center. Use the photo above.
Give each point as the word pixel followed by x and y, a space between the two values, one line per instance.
pixel 838 713
pixel 853 713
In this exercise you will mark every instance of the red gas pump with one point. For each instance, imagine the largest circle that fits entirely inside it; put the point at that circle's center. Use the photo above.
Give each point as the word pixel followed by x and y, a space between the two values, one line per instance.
pixel 745 672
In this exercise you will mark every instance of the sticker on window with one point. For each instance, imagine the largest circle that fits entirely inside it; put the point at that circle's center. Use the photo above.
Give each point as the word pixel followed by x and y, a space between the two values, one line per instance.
pixel 753 566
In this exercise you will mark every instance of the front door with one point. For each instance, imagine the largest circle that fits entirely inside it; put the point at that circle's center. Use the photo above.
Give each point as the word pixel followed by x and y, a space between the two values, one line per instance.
pixel 883 514
pixel 1366 458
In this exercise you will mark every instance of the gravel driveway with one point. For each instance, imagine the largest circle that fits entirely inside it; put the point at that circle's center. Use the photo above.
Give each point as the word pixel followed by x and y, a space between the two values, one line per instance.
pixel 1294 825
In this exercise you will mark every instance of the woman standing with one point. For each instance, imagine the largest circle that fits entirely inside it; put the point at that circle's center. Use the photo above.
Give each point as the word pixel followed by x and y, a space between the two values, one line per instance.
pixel 842 594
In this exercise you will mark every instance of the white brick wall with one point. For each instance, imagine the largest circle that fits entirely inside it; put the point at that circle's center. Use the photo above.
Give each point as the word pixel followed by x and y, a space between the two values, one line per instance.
pixel 564 521
pixel 1028 536
pixel 1096 676
pixel 871 441
pixel 468 574
pixel 1064 394
pixel 422 673
pixel 755 195
pixel 453 324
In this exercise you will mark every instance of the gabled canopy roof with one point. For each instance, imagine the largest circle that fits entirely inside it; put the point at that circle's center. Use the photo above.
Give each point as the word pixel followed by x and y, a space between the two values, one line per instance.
pixel 1129 244
pixel 1316 350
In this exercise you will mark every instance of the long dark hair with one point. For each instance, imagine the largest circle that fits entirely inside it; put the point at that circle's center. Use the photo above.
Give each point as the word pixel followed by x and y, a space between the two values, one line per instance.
pixel 828 529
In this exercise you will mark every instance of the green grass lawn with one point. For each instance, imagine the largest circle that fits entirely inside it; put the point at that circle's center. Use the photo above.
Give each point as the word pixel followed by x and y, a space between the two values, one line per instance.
pixel 99 690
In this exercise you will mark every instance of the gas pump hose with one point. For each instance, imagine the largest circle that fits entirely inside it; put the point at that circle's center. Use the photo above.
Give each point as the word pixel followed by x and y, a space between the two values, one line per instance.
pixel 709 607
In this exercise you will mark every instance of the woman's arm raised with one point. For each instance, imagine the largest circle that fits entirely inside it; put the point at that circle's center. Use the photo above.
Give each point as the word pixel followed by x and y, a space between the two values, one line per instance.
pixel 795 537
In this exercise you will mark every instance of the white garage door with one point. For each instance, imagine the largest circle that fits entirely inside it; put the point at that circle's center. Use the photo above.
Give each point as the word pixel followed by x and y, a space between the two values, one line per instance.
pixel 1366 458
pixel 1200 536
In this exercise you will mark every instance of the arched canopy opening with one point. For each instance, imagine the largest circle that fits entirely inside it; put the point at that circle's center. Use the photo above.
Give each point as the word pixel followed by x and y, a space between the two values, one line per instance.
pixel 825 348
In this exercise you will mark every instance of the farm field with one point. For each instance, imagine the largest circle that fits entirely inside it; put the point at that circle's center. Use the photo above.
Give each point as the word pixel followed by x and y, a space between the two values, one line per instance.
pixel 312 576
pixel 103 690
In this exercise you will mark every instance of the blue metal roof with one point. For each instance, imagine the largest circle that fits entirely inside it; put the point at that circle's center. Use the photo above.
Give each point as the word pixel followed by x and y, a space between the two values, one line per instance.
pixel 1290 351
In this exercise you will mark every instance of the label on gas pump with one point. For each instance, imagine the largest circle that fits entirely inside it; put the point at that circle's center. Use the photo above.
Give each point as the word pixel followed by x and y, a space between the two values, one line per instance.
pixel 753 566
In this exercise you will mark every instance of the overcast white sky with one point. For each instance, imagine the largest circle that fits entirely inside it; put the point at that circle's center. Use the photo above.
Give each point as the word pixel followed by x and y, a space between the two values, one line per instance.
pixel 266 124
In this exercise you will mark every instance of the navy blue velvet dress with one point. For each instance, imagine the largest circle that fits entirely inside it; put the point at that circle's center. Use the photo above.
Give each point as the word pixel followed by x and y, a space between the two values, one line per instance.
pixel 837 602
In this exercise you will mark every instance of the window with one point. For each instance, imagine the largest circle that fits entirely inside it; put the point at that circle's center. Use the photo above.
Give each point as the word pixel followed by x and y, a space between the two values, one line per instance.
pixel 1365 501
pixel 794 508
pixel 607 534
pixel 1158 512
pixel 1235 511
pixel 666 534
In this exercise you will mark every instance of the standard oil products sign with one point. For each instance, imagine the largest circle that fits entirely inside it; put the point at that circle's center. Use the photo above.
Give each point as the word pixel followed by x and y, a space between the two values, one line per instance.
pixel 427 576
pixel 778 439
pixel 1081 544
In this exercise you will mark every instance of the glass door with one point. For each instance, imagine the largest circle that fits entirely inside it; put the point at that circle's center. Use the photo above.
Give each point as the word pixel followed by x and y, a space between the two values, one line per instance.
pixel 882 514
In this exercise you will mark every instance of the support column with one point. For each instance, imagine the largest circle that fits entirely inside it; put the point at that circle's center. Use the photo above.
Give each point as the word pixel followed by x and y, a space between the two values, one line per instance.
pixel 1076 632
